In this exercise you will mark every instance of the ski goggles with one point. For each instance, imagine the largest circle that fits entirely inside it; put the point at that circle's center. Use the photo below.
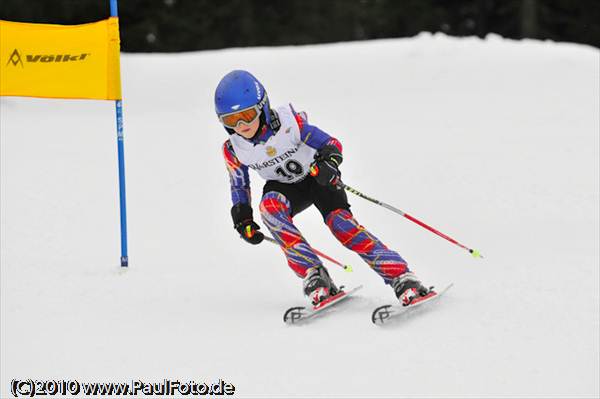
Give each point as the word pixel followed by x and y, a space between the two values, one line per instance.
pixel 246 115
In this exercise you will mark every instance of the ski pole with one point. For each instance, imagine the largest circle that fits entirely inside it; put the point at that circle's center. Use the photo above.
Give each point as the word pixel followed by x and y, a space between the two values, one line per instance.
pixel 474 252
pixel 347 268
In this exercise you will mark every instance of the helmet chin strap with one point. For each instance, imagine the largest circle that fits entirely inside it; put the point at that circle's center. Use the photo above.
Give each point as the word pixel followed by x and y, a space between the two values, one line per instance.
pixel 275 123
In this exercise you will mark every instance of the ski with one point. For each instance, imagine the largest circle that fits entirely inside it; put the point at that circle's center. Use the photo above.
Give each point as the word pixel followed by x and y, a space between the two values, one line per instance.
pixel 299 314
pixel 384 313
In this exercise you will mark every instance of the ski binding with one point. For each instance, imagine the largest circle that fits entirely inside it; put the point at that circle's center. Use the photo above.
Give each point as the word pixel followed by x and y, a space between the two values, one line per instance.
pixel 383 314
pixel 299 314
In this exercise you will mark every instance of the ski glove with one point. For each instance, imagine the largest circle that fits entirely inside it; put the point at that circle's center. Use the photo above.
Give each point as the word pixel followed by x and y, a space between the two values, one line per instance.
pixel 245 225
pixel 325 167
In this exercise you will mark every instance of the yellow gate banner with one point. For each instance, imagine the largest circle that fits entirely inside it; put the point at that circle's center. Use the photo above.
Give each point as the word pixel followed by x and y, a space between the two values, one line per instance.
pixel 60 61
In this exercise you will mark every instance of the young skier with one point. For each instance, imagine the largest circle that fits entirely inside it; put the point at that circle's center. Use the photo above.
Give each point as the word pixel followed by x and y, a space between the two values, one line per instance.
pixel 300 163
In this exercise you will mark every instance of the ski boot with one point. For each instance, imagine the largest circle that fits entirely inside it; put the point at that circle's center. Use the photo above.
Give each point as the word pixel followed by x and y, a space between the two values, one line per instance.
pixel 408 287
pixel 318 286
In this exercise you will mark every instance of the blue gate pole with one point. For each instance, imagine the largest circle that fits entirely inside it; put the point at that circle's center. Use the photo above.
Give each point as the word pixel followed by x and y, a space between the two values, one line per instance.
pixel 114 12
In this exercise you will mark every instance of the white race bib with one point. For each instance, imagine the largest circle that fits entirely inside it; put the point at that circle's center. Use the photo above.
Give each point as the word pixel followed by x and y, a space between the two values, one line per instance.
pixel 283 157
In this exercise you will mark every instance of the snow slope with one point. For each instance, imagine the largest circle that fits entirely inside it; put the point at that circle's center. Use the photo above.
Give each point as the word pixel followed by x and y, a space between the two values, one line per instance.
pixel 494 142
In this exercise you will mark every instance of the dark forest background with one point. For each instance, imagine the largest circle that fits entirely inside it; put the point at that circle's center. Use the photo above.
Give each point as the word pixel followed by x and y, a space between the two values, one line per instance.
pixel 186 25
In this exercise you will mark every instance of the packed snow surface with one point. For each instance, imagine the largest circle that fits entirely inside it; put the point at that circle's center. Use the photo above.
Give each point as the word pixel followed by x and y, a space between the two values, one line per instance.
pixel 494 142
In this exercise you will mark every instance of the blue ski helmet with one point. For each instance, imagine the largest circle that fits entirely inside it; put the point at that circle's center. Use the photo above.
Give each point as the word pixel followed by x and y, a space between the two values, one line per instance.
pixel 239 90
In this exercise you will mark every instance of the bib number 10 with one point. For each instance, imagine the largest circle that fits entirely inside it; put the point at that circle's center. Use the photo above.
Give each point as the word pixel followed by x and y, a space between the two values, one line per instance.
pixel 293 168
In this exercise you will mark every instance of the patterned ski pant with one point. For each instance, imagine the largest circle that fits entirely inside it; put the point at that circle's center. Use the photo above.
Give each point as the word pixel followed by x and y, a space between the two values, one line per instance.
pixel 275 210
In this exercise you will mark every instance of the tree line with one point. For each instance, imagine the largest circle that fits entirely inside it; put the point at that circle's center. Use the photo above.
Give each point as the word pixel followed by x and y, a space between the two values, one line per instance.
pixel 188 25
